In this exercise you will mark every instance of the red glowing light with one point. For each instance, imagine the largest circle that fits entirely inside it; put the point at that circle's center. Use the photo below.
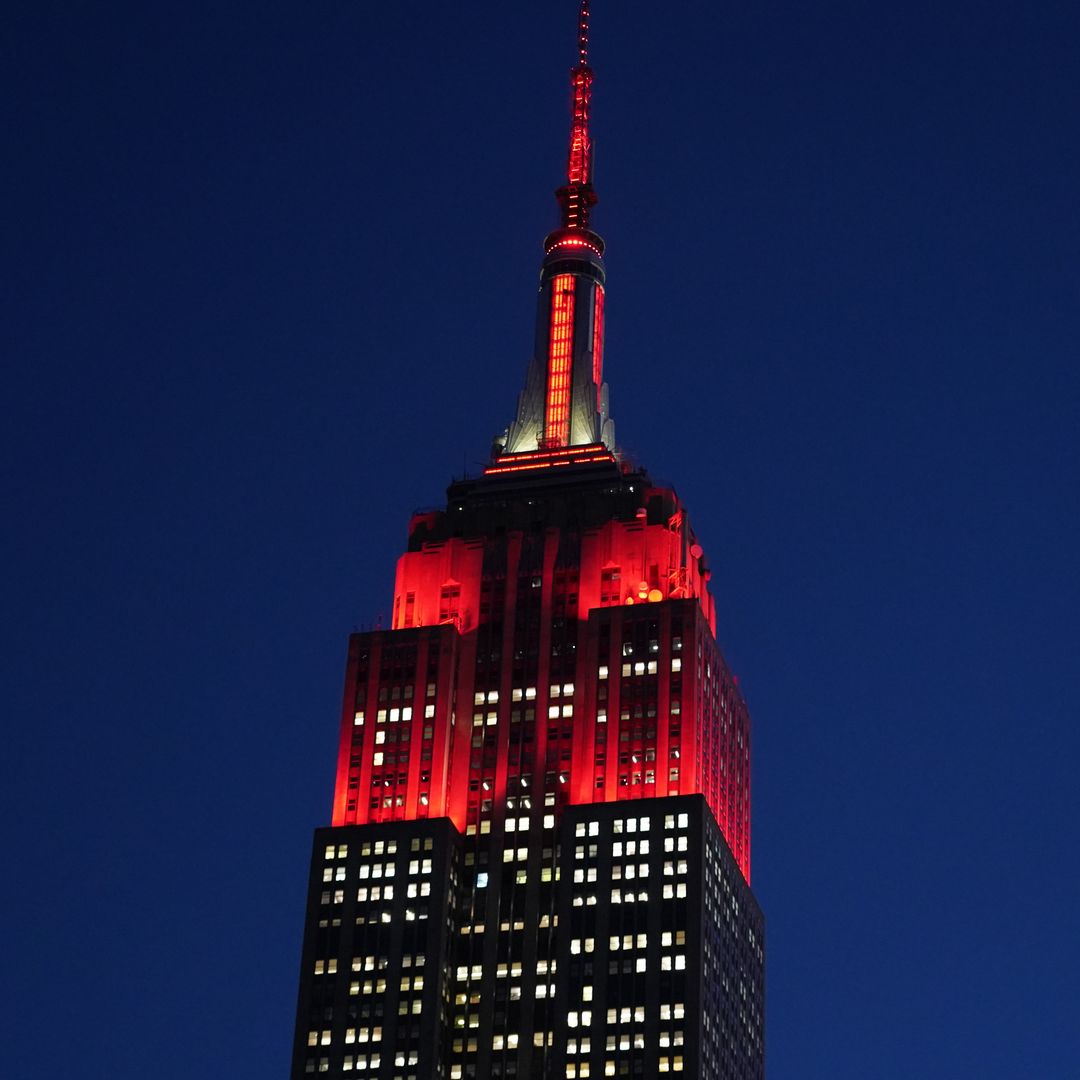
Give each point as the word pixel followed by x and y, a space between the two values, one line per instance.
pixel 595 449
pixel 580 144
pixel 573 242
pixel 598 342
pixel 560 361
pixel 546 459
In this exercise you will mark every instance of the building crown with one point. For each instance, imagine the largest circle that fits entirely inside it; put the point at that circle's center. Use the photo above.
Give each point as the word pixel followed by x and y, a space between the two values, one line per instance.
pixel 564 406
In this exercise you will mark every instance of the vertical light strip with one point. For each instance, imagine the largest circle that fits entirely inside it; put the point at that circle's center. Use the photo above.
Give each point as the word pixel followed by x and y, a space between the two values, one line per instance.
pixel 560 361
pixel 598 342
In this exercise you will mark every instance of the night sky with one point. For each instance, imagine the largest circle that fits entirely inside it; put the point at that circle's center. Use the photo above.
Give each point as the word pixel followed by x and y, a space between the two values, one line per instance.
pixel 269 284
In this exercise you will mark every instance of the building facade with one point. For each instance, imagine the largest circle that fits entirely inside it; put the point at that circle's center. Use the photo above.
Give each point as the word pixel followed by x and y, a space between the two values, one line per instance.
pixel 539 858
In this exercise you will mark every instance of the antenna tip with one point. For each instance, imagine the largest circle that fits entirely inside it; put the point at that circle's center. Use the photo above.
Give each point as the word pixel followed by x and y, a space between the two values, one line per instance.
pixel 583 33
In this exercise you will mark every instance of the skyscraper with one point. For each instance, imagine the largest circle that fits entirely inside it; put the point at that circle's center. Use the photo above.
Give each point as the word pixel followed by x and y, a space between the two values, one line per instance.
pixel 539 857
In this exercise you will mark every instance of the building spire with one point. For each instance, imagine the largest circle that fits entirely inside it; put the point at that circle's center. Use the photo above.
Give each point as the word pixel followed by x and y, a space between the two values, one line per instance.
pixel 562 413
pixel 577 197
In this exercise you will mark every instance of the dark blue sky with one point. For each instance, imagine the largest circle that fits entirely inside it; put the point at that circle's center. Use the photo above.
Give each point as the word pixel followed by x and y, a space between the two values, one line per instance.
pixel 270 275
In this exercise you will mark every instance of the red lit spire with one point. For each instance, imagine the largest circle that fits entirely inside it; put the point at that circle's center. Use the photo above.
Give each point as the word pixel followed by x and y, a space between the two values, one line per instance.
pixel 565 402
pixel 577 197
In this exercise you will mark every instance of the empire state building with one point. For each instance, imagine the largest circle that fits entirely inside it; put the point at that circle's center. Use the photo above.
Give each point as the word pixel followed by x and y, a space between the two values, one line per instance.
pixel 538 862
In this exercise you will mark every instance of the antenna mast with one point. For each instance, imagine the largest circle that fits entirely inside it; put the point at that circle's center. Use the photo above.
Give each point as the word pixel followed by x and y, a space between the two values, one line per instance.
pixel 577 196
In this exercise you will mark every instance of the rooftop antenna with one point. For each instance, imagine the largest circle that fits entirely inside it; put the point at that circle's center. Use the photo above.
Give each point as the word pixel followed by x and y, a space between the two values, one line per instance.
pixel 577 197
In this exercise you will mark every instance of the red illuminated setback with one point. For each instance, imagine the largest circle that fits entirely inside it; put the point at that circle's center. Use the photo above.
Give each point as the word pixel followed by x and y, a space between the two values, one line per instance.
pixel 644 700
pixel 560 362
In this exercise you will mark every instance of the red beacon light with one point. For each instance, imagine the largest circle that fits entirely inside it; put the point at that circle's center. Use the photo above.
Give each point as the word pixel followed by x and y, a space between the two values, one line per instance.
pixel 574 238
